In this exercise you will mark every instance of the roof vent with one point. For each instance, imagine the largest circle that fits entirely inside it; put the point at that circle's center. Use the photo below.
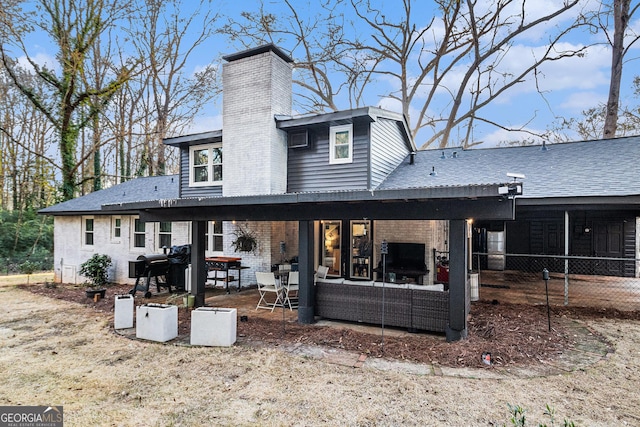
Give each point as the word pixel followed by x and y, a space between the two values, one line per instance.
pixel 454 155
pixel 544 146
pixel 412 157
pixel 433 171
pixel 442 156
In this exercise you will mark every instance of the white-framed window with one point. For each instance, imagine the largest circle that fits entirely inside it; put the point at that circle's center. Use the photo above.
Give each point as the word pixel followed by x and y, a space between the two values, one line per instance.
pixel 341 144
pixel 116 228
pixel 164 234
pixel 138 234
pixel 214 241
pixel 205 165
pixel 87 230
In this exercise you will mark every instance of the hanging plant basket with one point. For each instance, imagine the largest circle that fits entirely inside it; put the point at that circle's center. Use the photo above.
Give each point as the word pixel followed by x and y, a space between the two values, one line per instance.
pixel 245 240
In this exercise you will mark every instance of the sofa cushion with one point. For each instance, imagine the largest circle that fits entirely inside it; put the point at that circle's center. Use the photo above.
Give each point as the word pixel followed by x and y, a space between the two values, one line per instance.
pixel 339 280
pixel 437 287
pixel 359 282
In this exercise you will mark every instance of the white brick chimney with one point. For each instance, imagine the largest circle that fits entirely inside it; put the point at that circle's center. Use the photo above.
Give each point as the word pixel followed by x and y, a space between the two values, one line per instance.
pixel 257 85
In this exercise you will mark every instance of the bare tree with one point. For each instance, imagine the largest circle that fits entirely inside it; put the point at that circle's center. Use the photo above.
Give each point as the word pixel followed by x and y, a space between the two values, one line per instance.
pixel 318 44
pixel 74 28
pixel 444 69
pixel 26 171
pixel 622 14
pixel 167 40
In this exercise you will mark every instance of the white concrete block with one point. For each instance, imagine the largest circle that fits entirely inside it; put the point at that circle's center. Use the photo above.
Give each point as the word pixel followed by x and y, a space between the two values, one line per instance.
pixel 157 322
pixel 474 285
pixel 123 312
pixel 214 326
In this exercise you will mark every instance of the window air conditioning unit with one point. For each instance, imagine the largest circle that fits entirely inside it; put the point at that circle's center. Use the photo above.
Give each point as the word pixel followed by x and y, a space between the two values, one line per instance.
pixel 298 139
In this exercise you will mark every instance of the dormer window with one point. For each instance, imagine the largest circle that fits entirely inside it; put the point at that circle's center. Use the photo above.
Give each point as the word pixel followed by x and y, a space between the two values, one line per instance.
pixel 205 165
pixel 341 144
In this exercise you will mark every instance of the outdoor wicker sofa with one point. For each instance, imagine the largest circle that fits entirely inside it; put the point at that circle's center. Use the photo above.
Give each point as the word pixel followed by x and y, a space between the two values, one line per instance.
pixel 411 306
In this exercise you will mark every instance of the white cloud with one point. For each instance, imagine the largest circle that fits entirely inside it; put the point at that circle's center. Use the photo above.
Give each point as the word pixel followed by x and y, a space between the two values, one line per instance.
pixel 577 102
pixel 42 60
pixel 205 124
pixel 499 136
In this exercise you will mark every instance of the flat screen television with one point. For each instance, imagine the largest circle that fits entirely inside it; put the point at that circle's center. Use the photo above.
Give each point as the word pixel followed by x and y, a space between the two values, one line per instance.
pixel 406 256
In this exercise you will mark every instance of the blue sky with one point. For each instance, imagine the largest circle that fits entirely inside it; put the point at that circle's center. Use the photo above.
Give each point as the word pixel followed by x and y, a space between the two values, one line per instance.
pixel 570 86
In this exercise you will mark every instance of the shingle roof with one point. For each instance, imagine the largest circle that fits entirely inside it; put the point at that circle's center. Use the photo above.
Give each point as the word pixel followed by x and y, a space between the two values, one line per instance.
pixel 577 169
pixel 135 190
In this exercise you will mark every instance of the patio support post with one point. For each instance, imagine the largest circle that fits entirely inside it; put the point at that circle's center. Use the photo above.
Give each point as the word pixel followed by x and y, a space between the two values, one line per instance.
pixel 306 294
pixel 458 272
pixel 198 269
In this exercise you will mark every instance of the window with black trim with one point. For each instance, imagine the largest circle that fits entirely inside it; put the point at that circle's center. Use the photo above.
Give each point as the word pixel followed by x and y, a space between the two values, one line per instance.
pixel 116 227
pixel 138 233
pixel 88 231
pixel 164 234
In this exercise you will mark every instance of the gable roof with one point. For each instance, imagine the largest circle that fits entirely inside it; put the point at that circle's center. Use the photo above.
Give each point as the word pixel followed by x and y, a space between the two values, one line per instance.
pixel 587 169
pixel 345 116
pixel 135 190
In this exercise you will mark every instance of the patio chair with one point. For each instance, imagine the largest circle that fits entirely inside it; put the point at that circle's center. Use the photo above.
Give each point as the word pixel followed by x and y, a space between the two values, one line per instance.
pixel 267 284
pixel 321 273
pixel 292 287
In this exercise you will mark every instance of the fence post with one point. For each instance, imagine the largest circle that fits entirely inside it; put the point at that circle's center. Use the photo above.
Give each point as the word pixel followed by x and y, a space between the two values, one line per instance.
pixel 566 259
pixel 545 276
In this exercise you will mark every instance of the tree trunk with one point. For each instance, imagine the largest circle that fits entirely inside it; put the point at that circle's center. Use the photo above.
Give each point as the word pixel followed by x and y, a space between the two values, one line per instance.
pixel 621 20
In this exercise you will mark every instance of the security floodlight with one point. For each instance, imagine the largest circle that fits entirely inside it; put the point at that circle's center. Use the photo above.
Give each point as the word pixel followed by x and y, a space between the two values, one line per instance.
pixel 515 175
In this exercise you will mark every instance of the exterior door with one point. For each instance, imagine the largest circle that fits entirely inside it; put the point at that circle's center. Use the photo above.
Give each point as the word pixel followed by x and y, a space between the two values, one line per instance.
pixel 331 247
pixel 361 249
pixel 608 240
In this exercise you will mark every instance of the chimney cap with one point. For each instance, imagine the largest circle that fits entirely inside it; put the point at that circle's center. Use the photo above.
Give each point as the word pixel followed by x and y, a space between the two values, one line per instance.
pixel 257 51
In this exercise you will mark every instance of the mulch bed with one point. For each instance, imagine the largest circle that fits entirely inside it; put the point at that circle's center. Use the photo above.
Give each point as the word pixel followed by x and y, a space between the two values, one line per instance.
pixel 515 335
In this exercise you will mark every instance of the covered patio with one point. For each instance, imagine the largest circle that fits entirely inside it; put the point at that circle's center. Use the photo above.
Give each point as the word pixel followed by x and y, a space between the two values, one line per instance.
pixel 455 204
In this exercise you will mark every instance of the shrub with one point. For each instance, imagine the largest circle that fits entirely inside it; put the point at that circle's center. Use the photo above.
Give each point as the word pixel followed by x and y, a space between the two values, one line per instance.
pixel 95 269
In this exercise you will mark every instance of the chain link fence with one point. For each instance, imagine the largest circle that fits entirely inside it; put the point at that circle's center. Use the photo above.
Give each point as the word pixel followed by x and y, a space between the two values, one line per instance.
pixel 576 281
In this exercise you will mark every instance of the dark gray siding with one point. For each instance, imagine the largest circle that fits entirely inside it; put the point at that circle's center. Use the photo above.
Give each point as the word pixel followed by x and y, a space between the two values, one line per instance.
pixel 388 149
pixel 185 190
pixel 308 168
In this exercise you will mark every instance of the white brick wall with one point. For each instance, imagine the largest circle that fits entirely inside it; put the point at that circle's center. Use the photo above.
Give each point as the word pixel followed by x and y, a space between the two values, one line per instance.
pixel 70 250
pixel 255 90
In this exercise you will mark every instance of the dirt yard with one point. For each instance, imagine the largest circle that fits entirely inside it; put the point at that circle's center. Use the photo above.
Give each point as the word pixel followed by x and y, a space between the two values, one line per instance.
pixel 57 348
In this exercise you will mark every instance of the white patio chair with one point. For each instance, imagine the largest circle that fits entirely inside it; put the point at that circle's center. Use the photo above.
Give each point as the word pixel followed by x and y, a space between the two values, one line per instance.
pixel 292 287
pixel 267 284
pixel 321 273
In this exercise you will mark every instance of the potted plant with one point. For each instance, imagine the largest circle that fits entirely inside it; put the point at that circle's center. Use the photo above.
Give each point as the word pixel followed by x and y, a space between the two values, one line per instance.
pixel 95 269
pixel 245 240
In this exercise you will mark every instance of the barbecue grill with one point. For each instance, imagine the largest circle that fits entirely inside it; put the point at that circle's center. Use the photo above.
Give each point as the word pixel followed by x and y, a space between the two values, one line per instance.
pixel 179 260
pixel 146 267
